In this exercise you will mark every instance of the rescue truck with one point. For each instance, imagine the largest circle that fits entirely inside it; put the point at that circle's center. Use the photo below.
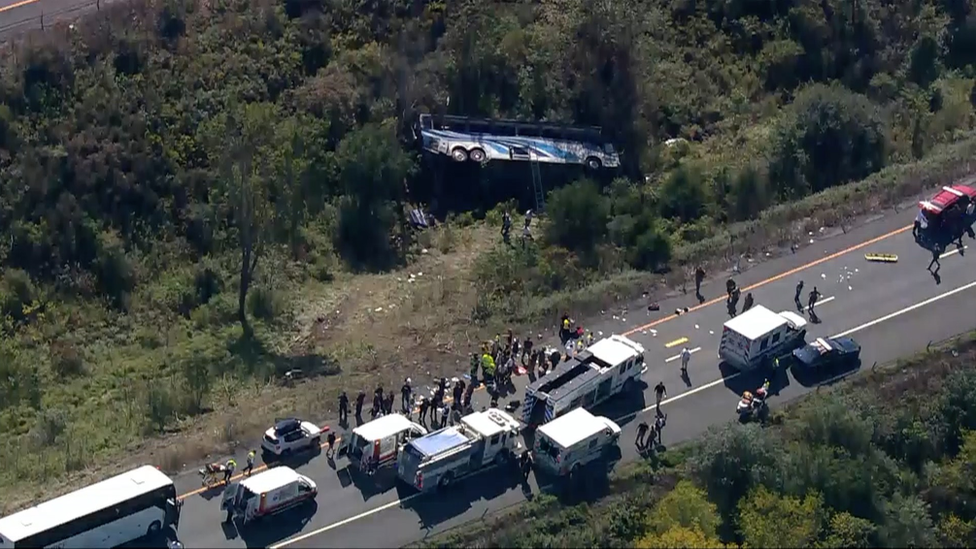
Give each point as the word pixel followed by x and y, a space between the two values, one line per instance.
pixel 756 336
pixel 443 457
pixel 376 444
pixel 605 368
pixel 267 493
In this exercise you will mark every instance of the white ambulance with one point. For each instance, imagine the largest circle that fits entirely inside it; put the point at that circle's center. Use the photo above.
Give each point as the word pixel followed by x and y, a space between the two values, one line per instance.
pixel 758 335
pixel 570 441
pixel 267 493
pixel 376 444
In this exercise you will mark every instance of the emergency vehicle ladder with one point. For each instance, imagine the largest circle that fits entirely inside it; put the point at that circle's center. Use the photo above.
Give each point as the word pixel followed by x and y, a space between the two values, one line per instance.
pixel 537 188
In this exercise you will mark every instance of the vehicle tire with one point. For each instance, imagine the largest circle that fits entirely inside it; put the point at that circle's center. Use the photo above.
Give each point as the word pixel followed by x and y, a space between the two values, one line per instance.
pixel 593 163
pixel 501 458
pixel 316 443
pixel 459 154
pixel 154 528
pixel 446 481
pixel 477 155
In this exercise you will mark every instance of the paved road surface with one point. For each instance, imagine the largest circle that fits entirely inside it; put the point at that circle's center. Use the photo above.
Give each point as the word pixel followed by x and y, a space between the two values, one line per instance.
pixel 892 309
pixel 19 16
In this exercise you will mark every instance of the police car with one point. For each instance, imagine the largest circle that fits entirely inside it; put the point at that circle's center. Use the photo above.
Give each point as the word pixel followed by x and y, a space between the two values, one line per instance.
pixel 828 352
pixel 291 435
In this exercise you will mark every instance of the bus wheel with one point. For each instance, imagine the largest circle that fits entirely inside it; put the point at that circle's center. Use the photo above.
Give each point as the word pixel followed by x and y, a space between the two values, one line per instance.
pixel 593 163
pixel 459 154
pixel 477 155
pixel 154 528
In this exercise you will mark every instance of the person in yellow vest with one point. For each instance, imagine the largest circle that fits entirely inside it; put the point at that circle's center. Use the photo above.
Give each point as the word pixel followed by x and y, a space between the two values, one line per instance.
pixel 249 466
pixel 487 366
pixel 589 338
pixel 580 345
pixel 229 470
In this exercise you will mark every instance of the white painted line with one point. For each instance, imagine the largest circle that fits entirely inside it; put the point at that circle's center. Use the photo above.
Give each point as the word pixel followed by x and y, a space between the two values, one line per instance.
pixel 699 389
pixel 842 334
pixel 953 252
pixel 677 356
pixel 821 302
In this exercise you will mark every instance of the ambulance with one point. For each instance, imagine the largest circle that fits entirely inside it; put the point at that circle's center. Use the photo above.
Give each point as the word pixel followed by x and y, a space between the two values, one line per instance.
pixel 376 444
pixel 267 493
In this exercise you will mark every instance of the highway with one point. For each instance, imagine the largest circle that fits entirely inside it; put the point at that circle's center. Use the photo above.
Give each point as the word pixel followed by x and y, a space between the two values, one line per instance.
pixel 892 309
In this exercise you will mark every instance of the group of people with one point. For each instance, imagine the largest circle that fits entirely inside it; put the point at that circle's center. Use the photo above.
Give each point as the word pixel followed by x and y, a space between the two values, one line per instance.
pixel 435 406
pixel 507 227
pixel 812 299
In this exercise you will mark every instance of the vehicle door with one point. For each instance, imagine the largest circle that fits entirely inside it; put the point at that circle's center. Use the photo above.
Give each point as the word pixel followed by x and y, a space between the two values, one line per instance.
pixel 293 438
pixel 479 454
pixel 229 498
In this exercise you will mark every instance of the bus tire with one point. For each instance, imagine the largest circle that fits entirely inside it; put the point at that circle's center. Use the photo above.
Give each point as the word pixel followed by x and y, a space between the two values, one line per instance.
pixel 477 155
pixel 459 154
pixel 593 163
pixel 154 528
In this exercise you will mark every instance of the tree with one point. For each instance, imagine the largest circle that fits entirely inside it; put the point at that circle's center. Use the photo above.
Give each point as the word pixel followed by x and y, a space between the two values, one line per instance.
pixel 955 532
pixel 243 146
pixel 293 168
pixel 907 523
pixel 685 507
pixel 578 215
pixel 373 169
pixel 733 461
pixel 827 137
pixel 683 195
pixel 846 530
pixel 678 537
pixel 769 520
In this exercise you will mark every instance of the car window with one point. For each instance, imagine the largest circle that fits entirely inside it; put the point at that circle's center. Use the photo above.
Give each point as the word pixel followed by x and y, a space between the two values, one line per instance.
pixel 293 436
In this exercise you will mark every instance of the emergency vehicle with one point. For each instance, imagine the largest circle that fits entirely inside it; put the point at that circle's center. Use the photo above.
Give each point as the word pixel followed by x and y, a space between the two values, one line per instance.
pixel 267 493
pixel 758 335
pixel 443 457
pixel 947 214
pixel 569 442
pixel 609 366
pixel 376 444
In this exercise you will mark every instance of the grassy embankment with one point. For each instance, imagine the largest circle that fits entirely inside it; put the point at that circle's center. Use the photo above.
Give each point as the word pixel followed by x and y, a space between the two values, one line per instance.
pixel 121 337
pixel 883 459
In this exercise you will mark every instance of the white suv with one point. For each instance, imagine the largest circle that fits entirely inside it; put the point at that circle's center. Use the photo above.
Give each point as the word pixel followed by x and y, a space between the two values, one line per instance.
pixel 289 435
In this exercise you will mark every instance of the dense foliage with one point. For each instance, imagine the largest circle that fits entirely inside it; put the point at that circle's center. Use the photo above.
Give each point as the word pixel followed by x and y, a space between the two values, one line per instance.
pixel 884 462
pixel 170 169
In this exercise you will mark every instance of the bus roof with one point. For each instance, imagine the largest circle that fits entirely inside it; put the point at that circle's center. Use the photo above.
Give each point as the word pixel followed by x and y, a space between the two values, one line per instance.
pixel 107 493
pixel 450 120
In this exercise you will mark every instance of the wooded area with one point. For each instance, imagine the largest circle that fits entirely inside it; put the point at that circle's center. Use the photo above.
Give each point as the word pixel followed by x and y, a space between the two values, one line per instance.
pixel 177 174
pixel 882 461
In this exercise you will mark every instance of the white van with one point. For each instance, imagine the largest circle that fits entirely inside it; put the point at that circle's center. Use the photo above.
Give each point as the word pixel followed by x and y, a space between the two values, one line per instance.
pixel 571 441
pixel 758 335
pixel 376 444
pixel 267 493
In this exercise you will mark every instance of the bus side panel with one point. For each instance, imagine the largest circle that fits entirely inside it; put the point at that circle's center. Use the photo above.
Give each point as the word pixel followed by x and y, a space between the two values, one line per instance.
pixel 117 532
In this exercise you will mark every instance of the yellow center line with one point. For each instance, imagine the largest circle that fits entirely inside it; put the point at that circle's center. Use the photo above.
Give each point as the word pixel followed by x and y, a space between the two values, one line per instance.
pixel 16 5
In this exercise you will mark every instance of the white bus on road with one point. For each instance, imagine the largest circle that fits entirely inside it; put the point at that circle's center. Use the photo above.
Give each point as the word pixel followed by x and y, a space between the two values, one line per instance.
pixel 107 514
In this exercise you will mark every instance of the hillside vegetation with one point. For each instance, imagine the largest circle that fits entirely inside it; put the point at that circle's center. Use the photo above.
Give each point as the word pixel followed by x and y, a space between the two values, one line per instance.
pixel 200 197
pixel 883 461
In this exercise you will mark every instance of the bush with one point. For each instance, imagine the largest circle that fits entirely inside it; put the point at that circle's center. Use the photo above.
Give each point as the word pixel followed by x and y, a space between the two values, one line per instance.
pixel 17 294
pixel 67 360
pixel 578 216
pixel 265 303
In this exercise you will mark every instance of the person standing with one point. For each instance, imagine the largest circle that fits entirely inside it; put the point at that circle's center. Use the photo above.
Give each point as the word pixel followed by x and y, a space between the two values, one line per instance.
pixel 641 433
pixel 747 304
pixel 424 406
pixel 330 439
pixel 360 399
pixel 659 423
pixel 229 470
pixel 405 392
pixel 812 301
pixel 685 357
pixel 796 296
pixel 249 465
pixel 699 278
pixel 343 407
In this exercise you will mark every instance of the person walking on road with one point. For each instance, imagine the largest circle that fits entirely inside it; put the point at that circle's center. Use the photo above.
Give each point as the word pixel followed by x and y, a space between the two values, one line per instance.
pixel 796 296
pixel 330 439
pixel 685 357
pixel 641 433
pixel 659 423
pixel 229 470
pixel 343 407
pixel 936 255
pixel 747 304
pixel 660 392
pixel 249 465
pixel 699 278
pixel 812 302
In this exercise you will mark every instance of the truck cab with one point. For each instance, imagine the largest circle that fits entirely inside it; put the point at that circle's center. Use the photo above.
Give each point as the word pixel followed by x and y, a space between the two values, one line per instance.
pixel 758 335
pixel 568 443
pixel 376 444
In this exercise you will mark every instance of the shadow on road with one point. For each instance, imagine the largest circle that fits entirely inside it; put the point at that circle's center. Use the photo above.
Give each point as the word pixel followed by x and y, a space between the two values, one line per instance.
pixel 624 407
pixel 294 460
pixel 263 533
pixel 435 508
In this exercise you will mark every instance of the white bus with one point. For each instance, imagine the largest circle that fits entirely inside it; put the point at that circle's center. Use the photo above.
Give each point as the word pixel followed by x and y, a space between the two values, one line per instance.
pixel 480 140
pixel 107 514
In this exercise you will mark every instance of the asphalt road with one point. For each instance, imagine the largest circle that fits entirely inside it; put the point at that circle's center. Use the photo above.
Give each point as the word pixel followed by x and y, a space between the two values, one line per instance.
pixel 891 309
pixel 18 16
